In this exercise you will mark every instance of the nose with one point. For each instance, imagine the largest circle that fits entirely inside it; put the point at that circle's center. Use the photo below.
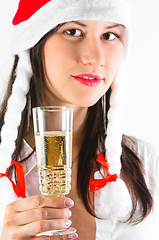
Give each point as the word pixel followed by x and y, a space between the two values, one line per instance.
pixel 92 53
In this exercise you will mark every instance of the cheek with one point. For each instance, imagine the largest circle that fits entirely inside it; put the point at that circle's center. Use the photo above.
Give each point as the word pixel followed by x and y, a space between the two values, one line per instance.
pixel 52 57
pixel 113 64
pixel 57 57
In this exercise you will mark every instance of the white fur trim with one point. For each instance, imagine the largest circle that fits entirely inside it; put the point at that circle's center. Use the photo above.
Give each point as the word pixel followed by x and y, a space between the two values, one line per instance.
pixel 16 105
pixel 5 76
pixel 114 128
pixel 28 33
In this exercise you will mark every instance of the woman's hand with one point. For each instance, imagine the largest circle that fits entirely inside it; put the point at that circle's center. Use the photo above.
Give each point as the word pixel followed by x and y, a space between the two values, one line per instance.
pixel 27 217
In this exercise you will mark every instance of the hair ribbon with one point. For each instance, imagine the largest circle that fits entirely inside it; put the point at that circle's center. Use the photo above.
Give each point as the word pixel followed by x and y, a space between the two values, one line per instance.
pixel 96 184
pixel 19 189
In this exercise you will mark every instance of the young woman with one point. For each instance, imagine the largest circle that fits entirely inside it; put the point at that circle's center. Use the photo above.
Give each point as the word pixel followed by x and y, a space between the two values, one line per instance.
pixel 72 53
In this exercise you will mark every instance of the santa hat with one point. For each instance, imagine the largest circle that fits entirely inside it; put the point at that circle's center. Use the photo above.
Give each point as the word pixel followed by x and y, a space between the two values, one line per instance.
pixel 35 18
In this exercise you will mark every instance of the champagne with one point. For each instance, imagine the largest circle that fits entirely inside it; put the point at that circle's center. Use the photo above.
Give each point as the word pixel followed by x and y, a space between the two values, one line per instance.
pixel 54 159
pixel 53 138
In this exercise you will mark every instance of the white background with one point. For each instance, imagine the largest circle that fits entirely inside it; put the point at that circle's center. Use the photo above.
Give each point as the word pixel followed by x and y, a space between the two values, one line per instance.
pixel 141 115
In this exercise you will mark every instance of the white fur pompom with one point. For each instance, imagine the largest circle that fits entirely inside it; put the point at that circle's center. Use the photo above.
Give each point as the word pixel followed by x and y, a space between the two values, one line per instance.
pixel 113 200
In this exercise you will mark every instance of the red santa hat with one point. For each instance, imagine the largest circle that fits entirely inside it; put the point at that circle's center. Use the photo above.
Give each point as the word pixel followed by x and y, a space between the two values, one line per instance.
pixel 35 18
pixel 26 9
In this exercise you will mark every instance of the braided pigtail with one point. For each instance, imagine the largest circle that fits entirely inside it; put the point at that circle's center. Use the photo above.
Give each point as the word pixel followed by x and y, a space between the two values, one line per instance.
pixel 114 127
pixel 16 105
pixel 119 203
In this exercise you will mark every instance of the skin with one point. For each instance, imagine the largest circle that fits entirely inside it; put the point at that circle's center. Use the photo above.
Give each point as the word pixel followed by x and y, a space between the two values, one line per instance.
pixel 92 47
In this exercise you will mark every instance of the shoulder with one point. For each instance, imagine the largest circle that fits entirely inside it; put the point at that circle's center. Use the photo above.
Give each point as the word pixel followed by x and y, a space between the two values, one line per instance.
pixel 139 146
pixel 147 153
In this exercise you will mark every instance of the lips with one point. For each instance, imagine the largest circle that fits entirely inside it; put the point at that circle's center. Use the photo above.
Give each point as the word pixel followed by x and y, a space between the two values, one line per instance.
pixel 88 79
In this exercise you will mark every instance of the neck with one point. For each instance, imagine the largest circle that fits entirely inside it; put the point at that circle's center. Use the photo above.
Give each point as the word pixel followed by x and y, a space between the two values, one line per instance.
pixel 79 119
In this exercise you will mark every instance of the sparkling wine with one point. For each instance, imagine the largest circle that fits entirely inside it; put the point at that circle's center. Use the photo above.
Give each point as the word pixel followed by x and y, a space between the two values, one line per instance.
pixel 54 159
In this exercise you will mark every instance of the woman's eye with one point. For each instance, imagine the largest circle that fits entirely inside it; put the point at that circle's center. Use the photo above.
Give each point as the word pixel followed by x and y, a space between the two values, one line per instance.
pixel 110 36
pixel 73 32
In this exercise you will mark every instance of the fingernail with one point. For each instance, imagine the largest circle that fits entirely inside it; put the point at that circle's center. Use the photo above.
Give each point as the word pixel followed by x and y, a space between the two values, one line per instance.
pixel 68 203
pixel 73 236
pixel 68 222
pixel 69 213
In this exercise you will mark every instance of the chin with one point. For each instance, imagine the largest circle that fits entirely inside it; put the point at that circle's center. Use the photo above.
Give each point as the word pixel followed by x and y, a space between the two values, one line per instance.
pixel 87 103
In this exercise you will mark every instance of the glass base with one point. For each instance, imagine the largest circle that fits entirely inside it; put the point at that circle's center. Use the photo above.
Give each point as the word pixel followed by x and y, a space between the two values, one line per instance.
pixel 55 180
pixel 66 231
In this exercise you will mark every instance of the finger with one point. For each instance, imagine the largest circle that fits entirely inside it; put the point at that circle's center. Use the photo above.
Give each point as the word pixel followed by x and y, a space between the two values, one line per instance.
pixel 32 229
pixel 66 237
pixel 33 215
pixel 40 201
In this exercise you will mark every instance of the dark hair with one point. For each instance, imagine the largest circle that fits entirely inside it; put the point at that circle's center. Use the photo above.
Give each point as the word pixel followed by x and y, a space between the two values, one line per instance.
pixel 132 171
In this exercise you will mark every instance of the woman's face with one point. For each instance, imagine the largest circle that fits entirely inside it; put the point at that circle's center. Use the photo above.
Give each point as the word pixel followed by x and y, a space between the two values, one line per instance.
pixel 81 60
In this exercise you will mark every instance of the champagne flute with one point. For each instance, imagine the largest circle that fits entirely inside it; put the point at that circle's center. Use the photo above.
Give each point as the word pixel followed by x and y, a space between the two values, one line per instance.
pixel 53 140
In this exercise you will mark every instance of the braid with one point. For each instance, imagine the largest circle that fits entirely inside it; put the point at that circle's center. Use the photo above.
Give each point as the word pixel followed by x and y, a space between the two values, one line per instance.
pixel 16 105
pixel 114 127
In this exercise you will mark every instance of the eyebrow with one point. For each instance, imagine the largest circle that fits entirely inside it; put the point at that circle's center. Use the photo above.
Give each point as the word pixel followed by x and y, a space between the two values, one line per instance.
pixel 108 27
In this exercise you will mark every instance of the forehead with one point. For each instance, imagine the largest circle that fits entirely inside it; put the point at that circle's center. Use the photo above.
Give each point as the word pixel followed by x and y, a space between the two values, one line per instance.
pixel 89 23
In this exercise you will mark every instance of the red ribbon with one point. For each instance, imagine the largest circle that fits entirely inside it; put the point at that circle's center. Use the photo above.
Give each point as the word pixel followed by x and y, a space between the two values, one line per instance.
pixel 19 189
pixel 96 184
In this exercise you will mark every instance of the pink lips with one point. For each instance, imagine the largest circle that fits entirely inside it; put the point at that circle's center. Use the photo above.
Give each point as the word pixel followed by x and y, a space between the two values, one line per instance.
pixel 88 79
